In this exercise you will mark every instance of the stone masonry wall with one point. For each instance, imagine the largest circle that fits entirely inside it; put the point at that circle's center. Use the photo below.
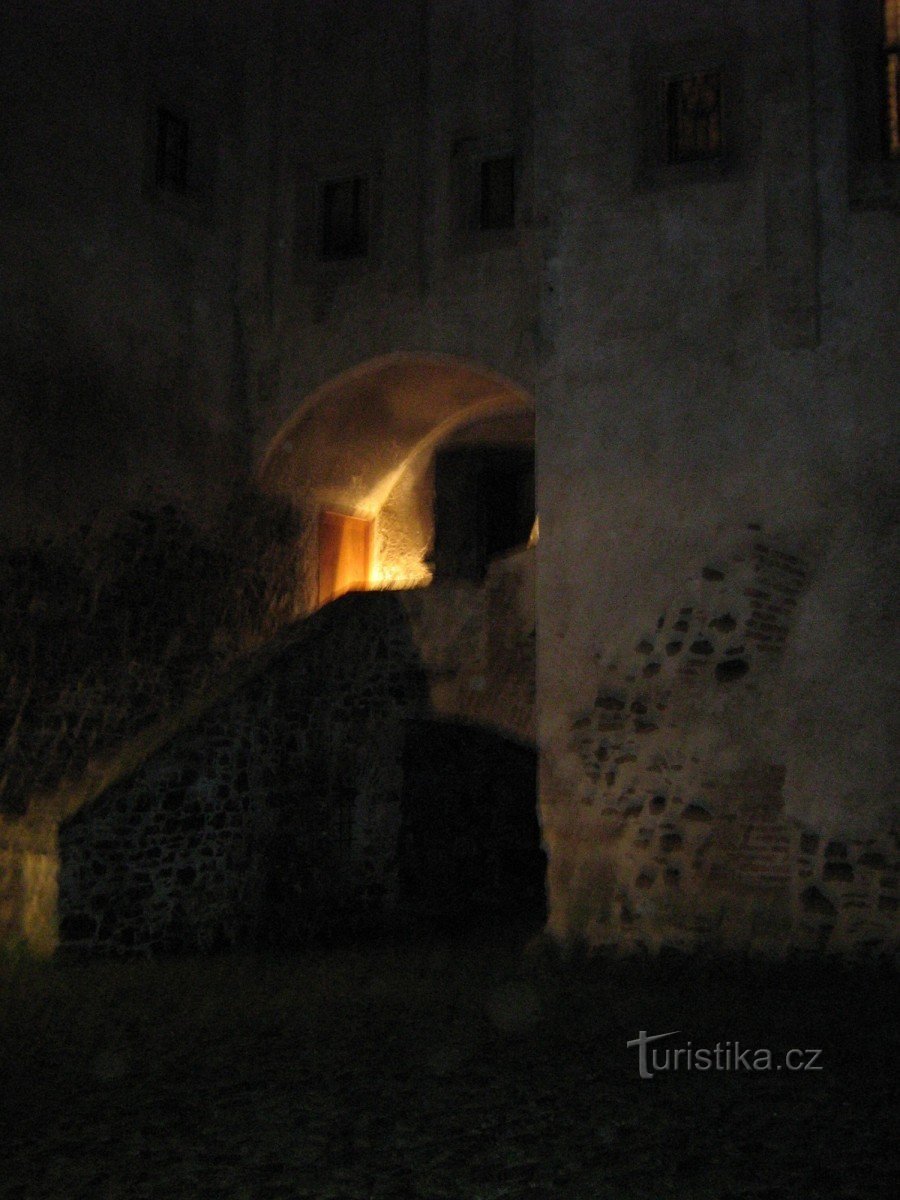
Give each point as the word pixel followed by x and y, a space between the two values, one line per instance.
pixel 479 645
pixel 276 816
pixel 679 836
pixel 717 348
pixel 256 816
pixel 108 632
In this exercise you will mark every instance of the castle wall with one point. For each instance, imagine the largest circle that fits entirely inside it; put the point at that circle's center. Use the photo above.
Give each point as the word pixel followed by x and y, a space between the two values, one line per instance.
pixel 717 372
pixel 710 346
pixel 120 366
pixel 277 815
pixel 276 808
pixel 425 91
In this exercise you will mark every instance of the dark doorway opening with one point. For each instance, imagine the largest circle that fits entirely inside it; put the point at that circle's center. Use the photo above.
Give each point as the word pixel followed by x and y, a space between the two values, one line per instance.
pixel 470 843
pixel 483 507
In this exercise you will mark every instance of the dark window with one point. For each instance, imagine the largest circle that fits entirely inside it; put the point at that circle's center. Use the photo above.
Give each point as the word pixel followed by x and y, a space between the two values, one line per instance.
pixel 172 145
pixel 498 193
pixel 345 218
pixel 694 117
pixel 892 77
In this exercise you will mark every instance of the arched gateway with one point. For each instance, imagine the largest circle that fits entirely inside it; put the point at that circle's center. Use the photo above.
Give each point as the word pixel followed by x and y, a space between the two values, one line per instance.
pixel 412 467
pixel 380 767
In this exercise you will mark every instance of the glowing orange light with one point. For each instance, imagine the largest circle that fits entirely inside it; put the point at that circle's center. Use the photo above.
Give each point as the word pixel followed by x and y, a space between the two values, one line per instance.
pixel 345 554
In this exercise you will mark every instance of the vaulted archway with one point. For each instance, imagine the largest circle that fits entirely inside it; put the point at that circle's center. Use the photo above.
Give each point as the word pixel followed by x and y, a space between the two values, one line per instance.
pixel 359 457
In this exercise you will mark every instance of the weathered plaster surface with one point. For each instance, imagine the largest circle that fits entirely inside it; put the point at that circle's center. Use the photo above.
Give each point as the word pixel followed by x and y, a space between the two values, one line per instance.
pixel 686 391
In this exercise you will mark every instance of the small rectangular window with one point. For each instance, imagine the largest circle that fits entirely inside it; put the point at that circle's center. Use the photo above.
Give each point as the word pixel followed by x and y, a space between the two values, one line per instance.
pixel 892 77
pixel 344 218
pixel 172 150
pixel 498 193
pixel 694 117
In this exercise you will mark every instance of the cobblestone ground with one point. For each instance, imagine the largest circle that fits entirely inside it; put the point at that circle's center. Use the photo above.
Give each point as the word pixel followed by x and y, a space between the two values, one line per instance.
pixel 441 1069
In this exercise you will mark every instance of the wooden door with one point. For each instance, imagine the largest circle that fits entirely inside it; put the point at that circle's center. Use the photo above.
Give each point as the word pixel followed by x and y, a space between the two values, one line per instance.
pixel 345 554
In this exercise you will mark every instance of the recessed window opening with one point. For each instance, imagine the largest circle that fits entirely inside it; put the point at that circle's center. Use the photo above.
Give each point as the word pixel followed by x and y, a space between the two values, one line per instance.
pixel 172 151
pixel 345 218
pixel 498 192
pixel 694 117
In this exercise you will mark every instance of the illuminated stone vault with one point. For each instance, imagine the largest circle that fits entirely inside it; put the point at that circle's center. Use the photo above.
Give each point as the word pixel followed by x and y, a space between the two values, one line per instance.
pixel 363 447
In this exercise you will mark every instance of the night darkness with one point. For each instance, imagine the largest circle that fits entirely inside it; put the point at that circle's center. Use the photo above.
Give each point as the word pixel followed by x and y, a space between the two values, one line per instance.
pixel 447 599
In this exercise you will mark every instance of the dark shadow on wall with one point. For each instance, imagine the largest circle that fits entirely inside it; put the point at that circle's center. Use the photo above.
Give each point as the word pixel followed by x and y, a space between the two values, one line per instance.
pixel 276 819
pixel 470 843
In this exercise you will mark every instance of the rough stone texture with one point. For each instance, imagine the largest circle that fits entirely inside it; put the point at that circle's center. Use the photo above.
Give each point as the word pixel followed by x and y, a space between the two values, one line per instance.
pixel 670 414
pixel 405 530
pixel 220 831
pixel 691 842
pixel 110 633
pixel 479 644
pixel 276 817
